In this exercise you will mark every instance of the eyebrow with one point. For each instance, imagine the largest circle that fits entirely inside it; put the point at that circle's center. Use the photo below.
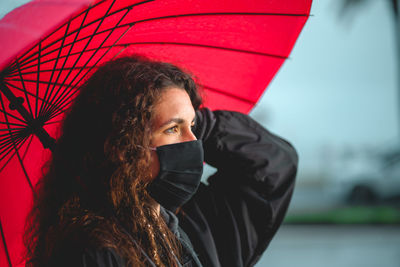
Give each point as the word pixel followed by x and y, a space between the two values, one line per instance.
pixel 176 120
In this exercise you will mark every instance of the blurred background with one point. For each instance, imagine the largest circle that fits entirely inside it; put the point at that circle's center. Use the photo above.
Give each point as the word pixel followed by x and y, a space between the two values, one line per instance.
pixel 337 100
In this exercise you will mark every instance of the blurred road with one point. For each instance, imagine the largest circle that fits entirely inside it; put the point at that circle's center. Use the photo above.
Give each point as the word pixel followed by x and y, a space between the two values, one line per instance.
pixel 333 246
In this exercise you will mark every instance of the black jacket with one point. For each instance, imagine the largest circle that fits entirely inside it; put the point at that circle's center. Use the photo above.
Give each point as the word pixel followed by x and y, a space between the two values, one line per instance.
pixel 230 221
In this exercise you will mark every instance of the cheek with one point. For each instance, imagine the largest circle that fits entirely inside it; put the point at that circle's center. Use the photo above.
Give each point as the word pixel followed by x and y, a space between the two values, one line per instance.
pixel 154 165
pixel 164 139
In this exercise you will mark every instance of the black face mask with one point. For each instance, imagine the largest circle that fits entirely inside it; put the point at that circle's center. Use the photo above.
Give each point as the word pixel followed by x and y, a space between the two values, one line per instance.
pixel 181 167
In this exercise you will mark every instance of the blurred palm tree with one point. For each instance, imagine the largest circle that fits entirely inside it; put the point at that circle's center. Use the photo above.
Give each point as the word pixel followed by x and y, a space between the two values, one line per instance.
pixel 349 6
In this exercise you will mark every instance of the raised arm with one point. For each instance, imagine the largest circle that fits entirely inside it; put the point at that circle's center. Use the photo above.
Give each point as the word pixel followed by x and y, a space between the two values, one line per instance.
pixel 232 220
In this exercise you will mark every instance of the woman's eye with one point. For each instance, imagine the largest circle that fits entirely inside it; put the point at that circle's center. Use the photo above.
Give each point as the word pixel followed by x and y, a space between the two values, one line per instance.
pixel 173 129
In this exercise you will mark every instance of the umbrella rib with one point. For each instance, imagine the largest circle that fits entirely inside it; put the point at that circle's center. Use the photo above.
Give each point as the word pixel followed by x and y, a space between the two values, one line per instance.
pixel 172 43
pixel 65 103
pixel 14 124
pixel 223 14
pixel 22 166
pixel 80 55
pixel 47 94
pixel 30 57
pixel 76 36
pixel 24 88
pixel 6 153
pixel 17 88
pixel 48 123
pixel 15 147
pixel 33 54
pixel 14 132
pixel 38 79
pixel 211 46
pixel 164 17
pixel 161 42
pixel 77 83
pixel 101 46
pixel 57 69
pixel 43 82
pixel 13 129
pixel 27 147
pixel 7 143
pixel 5 244
pixel 228 94
pixel 15 117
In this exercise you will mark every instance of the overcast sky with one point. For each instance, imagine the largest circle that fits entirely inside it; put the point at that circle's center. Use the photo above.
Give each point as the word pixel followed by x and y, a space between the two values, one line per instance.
pixel 339 87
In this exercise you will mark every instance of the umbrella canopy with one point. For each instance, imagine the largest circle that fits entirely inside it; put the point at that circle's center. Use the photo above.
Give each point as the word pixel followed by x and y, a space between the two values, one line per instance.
pixel 232 48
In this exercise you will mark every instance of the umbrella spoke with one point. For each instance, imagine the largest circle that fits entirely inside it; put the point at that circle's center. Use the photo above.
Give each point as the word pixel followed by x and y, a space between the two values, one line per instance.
pixel 47 94
pixel 38 79
pixel 65 102
pixel 32 57
pixel 7 148
pixel 101 46
pixel 57 69
pixel 50 44
pixel 8 140
pixel 8 134
pixel 161 18
pixel 24 89
pixel 8 137
pixel 63 105
pixel 42 82
pixel 208 46
pixel 14 129
pixel 80 55
pixel 141 43
pixel 27 147
pixel 5 244
pixel 15 141
pixel 53 122
pixel 68 54
pixel 6 114
pixel 6 152
pixel 19 145
pixel 22 166
pixel 228 94
pixel 98 48
pixel 143 21
pixel 14 124
pixel 17 88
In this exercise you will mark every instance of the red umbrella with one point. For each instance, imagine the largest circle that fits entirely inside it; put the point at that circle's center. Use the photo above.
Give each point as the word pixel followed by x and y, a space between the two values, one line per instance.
pixel 233 49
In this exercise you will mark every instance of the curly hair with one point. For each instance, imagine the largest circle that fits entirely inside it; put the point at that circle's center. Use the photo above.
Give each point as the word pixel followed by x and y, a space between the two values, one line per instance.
pixel 93 192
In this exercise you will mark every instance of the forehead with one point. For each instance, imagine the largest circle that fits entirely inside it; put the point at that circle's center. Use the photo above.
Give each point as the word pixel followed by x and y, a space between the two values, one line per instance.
pixel 173 103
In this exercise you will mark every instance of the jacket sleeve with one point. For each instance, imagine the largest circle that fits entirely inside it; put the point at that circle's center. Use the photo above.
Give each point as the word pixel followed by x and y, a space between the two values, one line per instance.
pixel 231 220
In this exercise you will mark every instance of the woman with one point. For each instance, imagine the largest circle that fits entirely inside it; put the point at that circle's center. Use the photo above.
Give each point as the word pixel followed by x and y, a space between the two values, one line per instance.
pixel 122 188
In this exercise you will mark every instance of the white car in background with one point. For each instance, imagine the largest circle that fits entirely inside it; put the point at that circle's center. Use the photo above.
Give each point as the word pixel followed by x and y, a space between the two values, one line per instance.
pixel 367 180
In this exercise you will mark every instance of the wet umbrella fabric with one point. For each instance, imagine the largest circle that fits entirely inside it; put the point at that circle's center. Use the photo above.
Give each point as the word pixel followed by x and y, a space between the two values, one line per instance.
pixel 233 49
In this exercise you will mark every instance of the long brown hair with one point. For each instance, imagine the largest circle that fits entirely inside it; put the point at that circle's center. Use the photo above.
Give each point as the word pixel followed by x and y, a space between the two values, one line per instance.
pixel 93 192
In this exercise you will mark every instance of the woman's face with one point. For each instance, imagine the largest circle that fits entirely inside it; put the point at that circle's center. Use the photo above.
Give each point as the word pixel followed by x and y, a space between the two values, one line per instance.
pixel 172 122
